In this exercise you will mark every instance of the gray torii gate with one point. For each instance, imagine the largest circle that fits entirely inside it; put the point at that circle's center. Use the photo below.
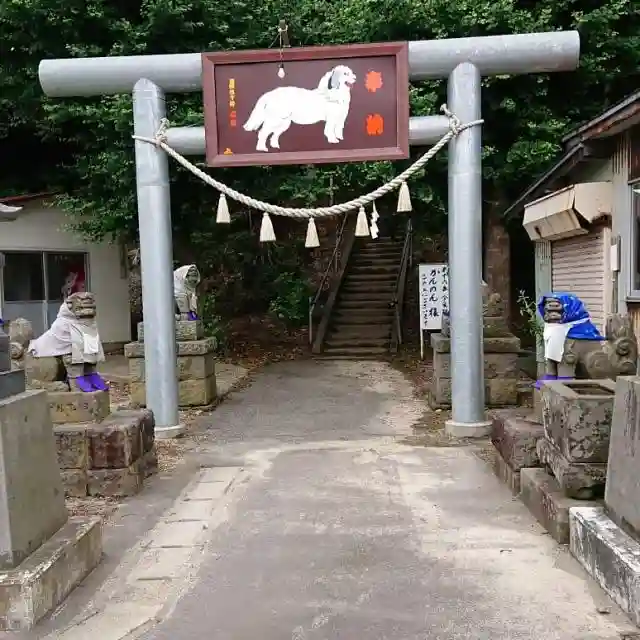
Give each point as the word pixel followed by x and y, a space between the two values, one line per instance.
pixel 464 61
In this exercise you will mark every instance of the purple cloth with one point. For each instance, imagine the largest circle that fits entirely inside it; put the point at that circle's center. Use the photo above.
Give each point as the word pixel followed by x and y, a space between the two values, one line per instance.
pixel 84 383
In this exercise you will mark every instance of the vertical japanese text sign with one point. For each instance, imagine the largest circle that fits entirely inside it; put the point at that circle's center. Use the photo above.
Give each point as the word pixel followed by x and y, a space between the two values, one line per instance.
pixel 434 295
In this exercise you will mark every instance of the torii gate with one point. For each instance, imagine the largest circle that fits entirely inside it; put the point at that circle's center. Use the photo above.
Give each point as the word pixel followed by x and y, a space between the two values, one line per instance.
pixel 463 60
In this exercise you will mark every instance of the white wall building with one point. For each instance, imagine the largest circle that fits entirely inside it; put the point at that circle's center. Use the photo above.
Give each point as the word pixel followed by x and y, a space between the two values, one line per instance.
pixel 37 256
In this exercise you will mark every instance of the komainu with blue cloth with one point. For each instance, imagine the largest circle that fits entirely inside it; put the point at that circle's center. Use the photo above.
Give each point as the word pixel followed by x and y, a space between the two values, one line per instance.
pixel 573 346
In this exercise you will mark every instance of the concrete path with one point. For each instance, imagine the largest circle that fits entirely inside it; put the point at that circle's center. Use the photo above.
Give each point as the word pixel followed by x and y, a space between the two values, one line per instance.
pixel 312 519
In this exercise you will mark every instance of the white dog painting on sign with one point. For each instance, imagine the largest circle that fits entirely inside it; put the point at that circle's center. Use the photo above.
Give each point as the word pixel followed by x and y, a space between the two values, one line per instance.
pixel 276 110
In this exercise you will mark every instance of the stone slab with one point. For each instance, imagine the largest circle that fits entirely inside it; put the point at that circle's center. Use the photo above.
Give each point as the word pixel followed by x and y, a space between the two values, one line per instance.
pixel 496 365
pixel 185 330
pixel 622 493
pixel 75 482
pixel 577 417
pixel 191 393
pixel 515 437
pixel 543 496
pixel 501 392
pixel 183 348
pixel 609 555
pixel 495 327
pixel 46 577
pixel 505 473
pixel 31 494
pixel 441 344
pixel 72 446
pixel 497 392
pixel 77 406
pixel 189 367
pixel 116 483
pixel 11 383
pixel 580 480
pixel 116 442
pixel 5 354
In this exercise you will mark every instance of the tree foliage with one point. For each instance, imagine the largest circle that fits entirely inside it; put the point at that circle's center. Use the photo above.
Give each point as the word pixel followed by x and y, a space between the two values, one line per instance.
pixel 84 148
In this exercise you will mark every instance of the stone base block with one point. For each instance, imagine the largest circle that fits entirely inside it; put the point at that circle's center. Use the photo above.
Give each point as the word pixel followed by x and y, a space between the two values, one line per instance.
pixel 496 365
pixel 191 393
pixel 609 555
pixel 511 344
pixel 543 496
pixel 77 406
pixel 189 367
pixel 185 330
pixel 515 437
pixel 577 418
pixel 47 576
pixel 505 473
pixel 183 348
pixel 579 480
pixel 116 483
pixel 501 392
pixel 11 383
pixel 110 458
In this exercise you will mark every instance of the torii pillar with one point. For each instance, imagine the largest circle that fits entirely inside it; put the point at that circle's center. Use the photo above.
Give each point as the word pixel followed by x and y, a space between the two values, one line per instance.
pixel 464 61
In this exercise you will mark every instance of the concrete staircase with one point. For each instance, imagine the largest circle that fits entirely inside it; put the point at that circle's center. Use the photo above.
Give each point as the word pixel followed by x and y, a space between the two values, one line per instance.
pixel 363 314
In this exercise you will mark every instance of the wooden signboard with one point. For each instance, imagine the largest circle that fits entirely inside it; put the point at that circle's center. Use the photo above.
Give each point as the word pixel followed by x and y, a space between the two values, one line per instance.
pixel 309 105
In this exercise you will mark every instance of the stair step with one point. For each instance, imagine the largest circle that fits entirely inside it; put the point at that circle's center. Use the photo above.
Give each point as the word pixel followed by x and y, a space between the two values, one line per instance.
pixel 375 262
pixel 357 343
pixel 355 352
pixel 370 277
pixel 366 295
pixel 369 319
pixel 360 337
pixel 374 268
pixel 366 306
pixel 366 287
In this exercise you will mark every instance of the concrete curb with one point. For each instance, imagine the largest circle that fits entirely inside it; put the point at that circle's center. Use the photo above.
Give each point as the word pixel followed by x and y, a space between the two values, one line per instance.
pixel 153 575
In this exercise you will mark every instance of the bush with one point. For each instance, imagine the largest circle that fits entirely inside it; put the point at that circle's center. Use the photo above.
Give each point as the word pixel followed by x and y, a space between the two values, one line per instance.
pixel 290 302
pixel 214 326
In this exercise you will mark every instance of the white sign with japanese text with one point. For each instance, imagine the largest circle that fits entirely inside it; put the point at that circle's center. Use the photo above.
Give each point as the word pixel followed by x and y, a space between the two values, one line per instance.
pixel 434 295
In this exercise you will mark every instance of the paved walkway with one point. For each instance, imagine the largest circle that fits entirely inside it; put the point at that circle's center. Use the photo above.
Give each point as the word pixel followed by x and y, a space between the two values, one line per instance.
pixel 312 519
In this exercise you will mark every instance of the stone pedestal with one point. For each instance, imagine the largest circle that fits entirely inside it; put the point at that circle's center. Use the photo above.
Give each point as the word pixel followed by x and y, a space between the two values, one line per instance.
pixel 577 423
pixel 196 366
pixel 111 458
pixel 101 453
pixel 606 540
pixel 43 554
pixel 500 371
pixel 514 437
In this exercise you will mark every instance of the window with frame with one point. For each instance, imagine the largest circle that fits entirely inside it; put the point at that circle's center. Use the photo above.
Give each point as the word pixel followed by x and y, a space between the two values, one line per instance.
pixel 635 239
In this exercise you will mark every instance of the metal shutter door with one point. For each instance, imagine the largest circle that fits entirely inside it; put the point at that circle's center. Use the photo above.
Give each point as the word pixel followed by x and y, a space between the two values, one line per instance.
pixel 578 267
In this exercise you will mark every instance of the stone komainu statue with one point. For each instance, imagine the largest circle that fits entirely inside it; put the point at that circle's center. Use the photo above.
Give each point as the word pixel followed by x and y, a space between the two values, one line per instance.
pixel 574 347
pixel 185 283
pixel 66 356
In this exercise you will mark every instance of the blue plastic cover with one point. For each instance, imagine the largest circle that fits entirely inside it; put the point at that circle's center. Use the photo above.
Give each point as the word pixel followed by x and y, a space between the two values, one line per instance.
pixel 573 309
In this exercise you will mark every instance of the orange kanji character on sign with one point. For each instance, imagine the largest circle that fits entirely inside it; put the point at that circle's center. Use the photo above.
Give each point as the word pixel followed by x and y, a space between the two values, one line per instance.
pixel 373 81
pixel 375 124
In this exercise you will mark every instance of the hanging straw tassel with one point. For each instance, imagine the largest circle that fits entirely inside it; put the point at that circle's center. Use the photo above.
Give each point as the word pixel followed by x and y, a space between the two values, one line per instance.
pixel 312 240
pixel 267 233
pixel 362 226
pixel 375 216
pixel 404 199
pixel 223 217
pixel 374 230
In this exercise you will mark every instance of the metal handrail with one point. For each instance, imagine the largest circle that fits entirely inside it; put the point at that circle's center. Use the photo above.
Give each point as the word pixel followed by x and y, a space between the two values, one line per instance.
pixel 398 296
pixel 333 263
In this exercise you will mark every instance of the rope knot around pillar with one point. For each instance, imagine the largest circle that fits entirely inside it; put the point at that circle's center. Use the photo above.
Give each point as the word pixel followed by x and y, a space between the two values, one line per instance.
pixel 454 122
